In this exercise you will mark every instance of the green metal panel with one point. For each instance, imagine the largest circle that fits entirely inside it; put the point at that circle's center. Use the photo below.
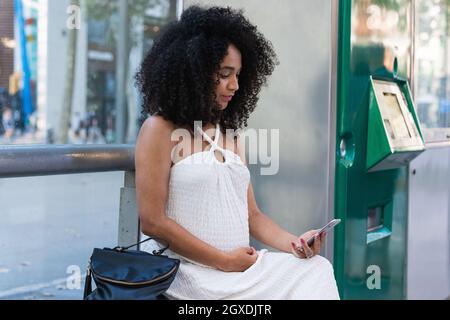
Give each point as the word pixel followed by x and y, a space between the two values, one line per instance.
pixel 357 191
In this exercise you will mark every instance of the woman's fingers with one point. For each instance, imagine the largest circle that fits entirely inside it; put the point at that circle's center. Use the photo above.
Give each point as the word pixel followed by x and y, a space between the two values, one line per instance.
pixel 306 249
pixel 252 255
pixel 317 244
pixel 296 251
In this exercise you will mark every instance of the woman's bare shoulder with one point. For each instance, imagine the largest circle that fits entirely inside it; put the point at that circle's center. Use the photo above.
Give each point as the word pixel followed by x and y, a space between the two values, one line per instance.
pixel 156 126
pixel 158 123
pixel 155 132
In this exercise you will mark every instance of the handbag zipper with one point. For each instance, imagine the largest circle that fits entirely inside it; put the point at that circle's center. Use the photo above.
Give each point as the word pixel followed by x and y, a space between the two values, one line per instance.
pixel 157 279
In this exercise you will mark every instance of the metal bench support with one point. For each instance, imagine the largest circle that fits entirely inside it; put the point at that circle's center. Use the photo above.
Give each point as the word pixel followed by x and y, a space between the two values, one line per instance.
pixel 129 229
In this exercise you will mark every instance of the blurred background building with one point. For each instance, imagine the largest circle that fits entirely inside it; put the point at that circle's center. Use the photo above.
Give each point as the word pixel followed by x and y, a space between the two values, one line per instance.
pixel 66 77
pixel 65 65
pixel 68 65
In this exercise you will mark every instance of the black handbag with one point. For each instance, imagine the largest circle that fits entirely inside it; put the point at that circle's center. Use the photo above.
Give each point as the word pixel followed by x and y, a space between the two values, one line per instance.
pixel 123 274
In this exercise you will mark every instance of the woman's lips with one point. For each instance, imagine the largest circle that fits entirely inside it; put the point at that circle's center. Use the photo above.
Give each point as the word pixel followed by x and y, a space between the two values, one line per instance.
pixel 227 98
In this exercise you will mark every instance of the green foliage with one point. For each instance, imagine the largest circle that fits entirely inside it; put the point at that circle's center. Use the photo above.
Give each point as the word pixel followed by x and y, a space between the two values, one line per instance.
pixel 102 10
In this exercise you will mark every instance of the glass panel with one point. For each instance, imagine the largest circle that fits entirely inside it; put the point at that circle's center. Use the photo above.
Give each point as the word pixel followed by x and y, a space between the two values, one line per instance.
pixel 58 88
pixel 432 90
pixel 381 31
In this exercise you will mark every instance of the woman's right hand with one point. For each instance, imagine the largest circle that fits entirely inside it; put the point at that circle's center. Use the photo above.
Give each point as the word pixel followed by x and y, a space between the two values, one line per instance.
pixel 240 259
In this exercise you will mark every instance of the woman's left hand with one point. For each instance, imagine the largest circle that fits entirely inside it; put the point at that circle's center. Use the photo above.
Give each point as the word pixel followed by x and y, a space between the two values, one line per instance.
pixel 302 250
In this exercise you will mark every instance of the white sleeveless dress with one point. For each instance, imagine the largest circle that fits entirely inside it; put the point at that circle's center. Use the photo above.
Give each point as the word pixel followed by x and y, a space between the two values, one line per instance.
pixel 209 199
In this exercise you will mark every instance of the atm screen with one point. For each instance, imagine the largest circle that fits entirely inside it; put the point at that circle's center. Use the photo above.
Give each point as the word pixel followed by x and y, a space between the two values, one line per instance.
pixel 395 116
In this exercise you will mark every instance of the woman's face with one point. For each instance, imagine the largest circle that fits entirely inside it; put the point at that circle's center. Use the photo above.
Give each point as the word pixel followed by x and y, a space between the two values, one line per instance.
pixel 227 77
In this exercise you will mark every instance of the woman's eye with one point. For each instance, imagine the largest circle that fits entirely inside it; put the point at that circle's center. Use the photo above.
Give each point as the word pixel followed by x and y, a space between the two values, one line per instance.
pixel 224 75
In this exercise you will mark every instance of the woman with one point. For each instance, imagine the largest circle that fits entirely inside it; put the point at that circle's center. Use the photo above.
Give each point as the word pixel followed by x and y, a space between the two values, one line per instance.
pixel 194 190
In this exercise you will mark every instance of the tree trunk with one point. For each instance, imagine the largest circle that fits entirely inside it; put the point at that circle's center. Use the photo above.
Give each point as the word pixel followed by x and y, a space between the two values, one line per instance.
pixel 62 135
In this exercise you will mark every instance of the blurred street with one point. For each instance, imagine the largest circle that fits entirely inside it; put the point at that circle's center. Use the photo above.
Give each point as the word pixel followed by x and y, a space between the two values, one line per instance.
pixel 37 137
pixel 48 228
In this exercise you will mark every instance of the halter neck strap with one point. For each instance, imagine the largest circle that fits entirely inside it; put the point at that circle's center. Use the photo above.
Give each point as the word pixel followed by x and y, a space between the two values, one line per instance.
pixel 216 138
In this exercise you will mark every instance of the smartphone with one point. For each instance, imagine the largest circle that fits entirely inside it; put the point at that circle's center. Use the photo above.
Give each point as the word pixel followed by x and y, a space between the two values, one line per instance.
pixel 330 225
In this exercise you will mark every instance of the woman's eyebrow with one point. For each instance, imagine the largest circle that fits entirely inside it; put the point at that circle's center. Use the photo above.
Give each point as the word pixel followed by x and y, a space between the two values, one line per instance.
pixel 229 68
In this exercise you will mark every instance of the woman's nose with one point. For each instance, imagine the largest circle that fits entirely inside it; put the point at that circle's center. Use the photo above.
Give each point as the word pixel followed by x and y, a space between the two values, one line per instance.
pixel 233 84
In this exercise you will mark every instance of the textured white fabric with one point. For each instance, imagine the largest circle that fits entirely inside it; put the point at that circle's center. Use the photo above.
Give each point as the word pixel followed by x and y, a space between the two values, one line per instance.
pixel 209 199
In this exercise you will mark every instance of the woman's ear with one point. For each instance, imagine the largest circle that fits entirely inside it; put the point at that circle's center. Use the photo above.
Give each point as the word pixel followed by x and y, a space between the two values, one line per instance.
pixel 216 78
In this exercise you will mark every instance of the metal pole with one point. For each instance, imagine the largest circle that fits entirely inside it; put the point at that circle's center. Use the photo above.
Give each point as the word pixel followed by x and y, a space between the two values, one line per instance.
pixel 26 161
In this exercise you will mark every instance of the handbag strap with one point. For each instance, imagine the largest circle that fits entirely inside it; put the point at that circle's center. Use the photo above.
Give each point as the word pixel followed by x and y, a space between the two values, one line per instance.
pixel 155 252
pixel 87 284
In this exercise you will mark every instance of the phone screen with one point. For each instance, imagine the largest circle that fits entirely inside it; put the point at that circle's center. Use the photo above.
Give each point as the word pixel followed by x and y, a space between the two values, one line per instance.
pixel 330 225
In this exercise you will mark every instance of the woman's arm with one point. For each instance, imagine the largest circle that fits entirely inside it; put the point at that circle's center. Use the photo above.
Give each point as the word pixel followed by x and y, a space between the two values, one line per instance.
pixel 153 162
pixel 265 230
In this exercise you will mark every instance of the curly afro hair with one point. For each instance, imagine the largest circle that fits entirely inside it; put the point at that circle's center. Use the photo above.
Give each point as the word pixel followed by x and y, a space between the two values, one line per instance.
pixel 177 78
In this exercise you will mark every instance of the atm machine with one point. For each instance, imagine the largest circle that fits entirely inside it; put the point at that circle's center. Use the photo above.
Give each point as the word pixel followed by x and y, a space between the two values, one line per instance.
pixel 393 139
pixel 393 131
pixel 377 134
pixel 371 191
